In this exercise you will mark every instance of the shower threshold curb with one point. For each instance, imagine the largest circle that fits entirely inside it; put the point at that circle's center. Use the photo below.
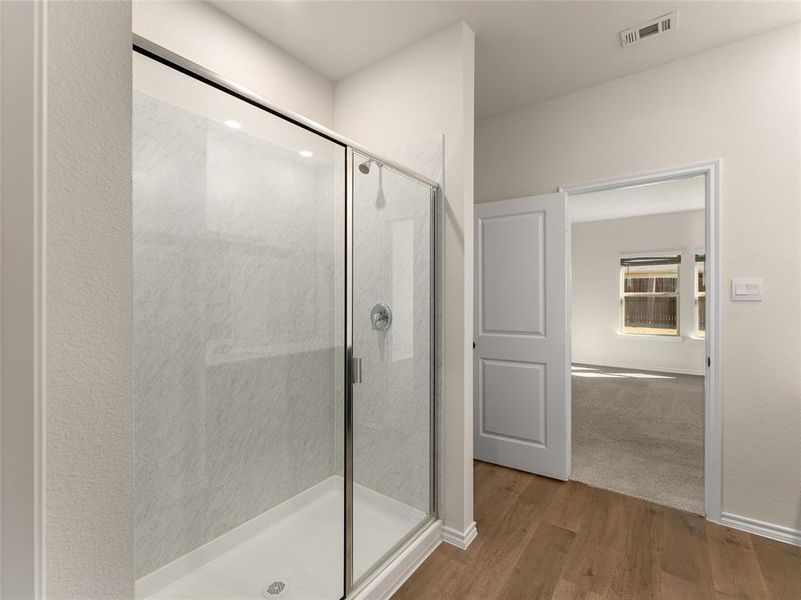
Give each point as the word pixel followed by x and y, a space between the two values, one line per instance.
pixel 392 576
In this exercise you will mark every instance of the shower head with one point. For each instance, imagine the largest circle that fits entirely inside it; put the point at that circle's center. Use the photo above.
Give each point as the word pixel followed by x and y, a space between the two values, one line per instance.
pixel 365 166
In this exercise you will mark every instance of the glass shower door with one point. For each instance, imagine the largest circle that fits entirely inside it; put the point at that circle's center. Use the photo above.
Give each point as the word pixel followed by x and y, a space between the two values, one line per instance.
pixel 392 407
pixel 239 266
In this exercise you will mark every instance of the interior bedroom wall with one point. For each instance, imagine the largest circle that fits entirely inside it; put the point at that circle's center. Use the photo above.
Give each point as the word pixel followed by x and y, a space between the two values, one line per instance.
pixel 739 103
pixel 421 92
pixel 199 32
pixel 597 247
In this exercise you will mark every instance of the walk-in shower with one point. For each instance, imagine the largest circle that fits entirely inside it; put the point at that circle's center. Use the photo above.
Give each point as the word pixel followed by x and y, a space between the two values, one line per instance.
pixel 284 346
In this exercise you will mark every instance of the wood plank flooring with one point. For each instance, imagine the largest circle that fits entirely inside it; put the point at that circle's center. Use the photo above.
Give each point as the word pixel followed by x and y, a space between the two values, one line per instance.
pixel 541 539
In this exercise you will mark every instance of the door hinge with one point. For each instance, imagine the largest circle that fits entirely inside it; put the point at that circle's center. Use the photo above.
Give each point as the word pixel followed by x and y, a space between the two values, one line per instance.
pixel 708 362
pixel 355 370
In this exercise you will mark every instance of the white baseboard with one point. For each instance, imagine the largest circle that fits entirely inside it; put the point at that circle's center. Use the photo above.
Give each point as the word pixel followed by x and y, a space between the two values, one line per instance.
pixel 460 539
pixel 393 575
pixel 595 363
pixel 768 530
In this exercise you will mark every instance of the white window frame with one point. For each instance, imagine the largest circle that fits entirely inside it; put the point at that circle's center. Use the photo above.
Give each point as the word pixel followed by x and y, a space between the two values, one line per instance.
pixel 677 294
pixel 696 294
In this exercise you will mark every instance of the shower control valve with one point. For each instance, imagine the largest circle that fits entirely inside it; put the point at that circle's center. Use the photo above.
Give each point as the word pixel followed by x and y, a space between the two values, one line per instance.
pixel 381 316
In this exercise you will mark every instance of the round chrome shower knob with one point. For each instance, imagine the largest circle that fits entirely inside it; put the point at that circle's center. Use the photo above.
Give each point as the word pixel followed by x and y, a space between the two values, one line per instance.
pixel 381 316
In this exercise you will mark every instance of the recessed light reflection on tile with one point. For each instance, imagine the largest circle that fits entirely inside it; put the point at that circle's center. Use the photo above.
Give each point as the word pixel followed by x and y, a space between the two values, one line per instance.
pixel 233 124
pixel 306 153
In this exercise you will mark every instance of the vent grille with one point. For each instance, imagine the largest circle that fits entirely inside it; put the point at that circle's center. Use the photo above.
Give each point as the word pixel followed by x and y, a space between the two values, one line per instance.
pixel 629 37
pixel 664 24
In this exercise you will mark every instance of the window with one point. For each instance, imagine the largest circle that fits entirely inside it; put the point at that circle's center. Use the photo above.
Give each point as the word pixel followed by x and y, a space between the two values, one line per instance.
pixel 700 295
pixel 649 295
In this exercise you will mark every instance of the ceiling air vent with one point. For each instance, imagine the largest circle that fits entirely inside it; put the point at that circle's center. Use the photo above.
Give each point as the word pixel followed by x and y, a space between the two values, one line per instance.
pixel 664 24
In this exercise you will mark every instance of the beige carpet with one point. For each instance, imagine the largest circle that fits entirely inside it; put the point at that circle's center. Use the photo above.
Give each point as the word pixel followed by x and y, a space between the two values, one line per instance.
pixel 640 433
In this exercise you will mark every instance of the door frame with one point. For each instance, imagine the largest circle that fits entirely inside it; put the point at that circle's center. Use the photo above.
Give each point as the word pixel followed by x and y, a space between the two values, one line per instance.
pixel 710 170
pixel 23 203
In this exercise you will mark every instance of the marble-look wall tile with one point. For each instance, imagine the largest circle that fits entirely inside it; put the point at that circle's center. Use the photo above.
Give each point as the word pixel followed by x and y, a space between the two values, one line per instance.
pixel 236 335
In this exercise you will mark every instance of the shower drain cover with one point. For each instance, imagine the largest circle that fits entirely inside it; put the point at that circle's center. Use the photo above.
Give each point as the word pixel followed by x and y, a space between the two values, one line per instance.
pixel 278 588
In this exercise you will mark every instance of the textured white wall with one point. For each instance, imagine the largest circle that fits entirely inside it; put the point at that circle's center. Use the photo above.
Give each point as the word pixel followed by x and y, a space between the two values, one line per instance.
pixel 739 103
pixel 89 420
pixel 198 31
pixel 596 250
pixel 421 91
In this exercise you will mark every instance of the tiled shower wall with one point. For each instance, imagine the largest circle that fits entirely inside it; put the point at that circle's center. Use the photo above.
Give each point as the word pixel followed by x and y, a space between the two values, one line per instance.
pixel 236 388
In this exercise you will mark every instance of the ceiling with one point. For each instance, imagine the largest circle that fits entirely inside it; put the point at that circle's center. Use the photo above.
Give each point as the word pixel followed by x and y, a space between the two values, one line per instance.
pixel 525 51
pixel 677 195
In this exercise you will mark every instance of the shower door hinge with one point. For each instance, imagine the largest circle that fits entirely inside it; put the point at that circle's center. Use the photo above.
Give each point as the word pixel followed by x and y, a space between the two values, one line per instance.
pixel 355 370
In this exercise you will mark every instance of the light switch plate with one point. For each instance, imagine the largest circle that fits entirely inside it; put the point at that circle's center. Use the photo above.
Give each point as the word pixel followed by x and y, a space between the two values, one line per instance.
pixel 746 289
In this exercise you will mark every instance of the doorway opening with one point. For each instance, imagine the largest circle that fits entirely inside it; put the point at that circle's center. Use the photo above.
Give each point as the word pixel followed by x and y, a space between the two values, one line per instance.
pixel 522 353
pixel 644 329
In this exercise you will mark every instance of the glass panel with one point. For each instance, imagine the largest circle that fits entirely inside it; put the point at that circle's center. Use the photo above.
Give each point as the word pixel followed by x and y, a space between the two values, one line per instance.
pixel 650 298
pixel 700 295
pixel 238 341
pixel 650 314
pixel 651 279
pixel 701 315
pixel 392 406
pixel 700 278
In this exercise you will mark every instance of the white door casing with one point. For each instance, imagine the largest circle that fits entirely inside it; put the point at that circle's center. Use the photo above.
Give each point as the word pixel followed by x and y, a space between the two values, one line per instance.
pixel 522 358
pixel 710 170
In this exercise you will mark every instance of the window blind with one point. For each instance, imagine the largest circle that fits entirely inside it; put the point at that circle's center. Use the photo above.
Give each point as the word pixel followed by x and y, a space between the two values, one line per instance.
pixel 645 261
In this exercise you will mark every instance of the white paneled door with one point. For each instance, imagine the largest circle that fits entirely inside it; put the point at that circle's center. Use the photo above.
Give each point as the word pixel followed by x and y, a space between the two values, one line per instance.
pixel 521 357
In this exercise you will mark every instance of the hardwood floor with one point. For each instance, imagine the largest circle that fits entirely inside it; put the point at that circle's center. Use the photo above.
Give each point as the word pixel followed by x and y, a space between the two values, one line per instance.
pixel 542 539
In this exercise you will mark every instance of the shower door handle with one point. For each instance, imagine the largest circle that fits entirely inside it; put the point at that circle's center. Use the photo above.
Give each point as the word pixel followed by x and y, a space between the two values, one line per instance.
pixel 355 370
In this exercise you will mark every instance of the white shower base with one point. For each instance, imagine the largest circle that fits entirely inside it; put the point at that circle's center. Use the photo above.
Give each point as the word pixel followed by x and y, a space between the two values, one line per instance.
pixel 299 542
